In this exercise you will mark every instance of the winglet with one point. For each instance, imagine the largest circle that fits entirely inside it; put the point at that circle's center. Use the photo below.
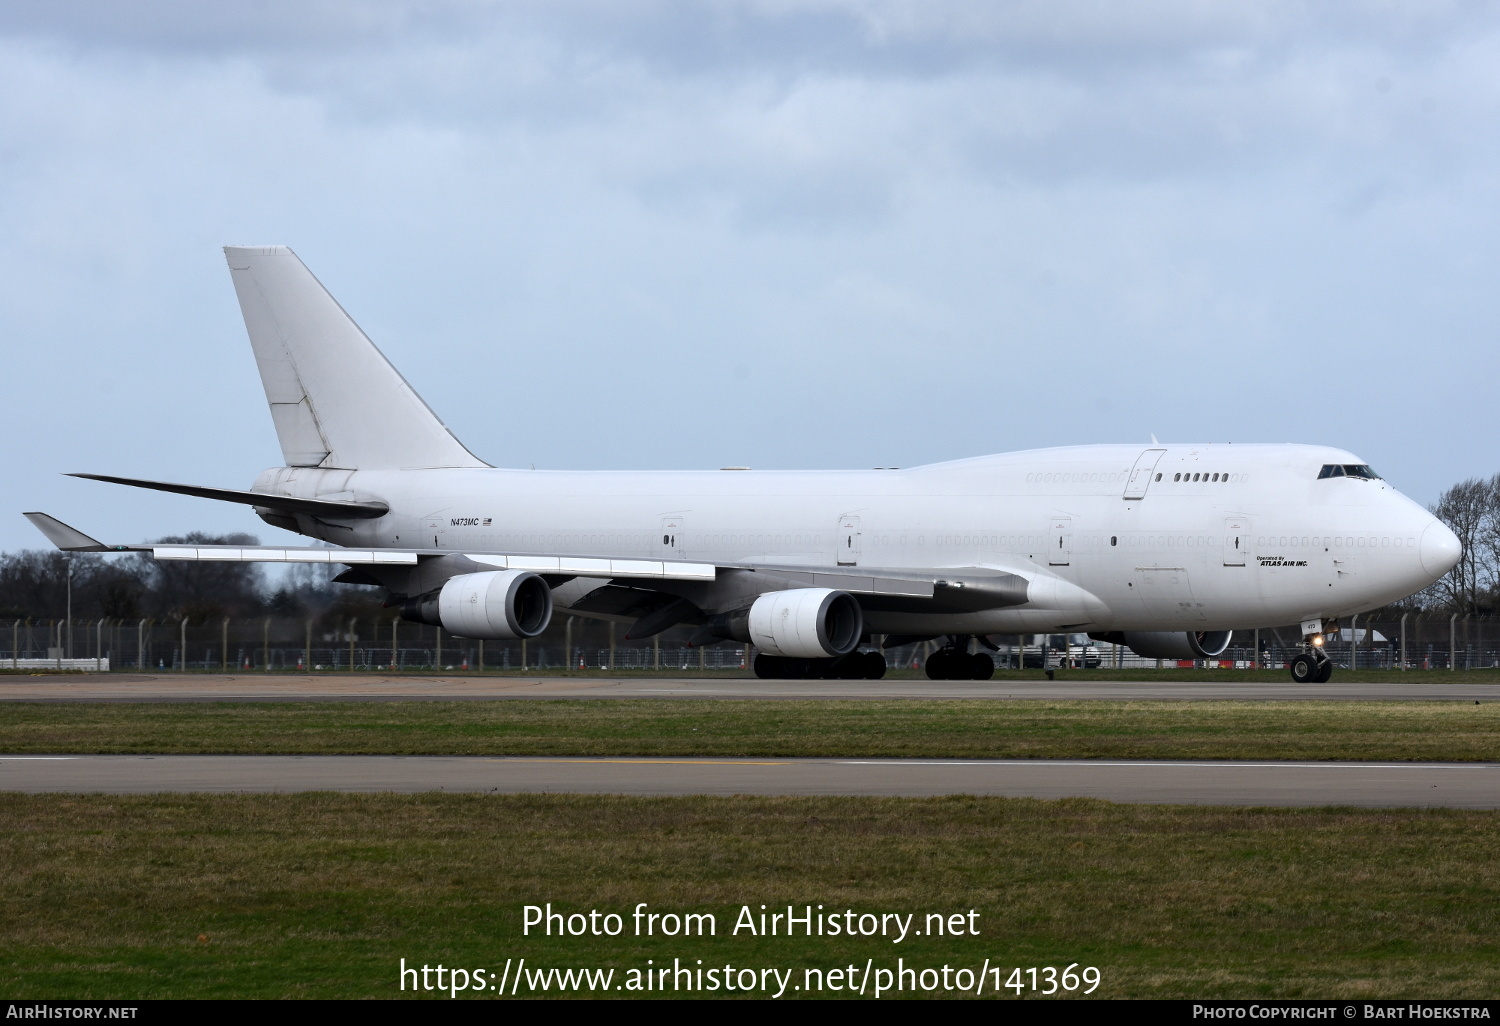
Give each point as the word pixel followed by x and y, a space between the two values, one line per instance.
pixel 64 537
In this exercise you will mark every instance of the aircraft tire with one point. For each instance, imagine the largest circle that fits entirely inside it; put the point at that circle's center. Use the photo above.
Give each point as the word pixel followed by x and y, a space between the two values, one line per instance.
pixel 1325 672
pixel 767 667
pixel 982 667
pixel 937 666
pixel 874 665
pixel 1304 669
pixel 849 667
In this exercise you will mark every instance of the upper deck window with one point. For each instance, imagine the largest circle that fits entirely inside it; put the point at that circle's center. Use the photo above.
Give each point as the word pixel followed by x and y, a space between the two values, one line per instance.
pixel 1359 470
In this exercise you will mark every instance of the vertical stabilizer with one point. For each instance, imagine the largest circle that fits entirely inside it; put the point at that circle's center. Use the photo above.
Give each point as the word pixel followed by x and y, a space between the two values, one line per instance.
pixel 335 399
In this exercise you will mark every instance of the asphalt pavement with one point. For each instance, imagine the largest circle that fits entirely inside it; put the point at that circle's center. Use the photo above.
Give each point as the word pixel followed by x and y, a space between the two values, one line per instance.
pixel 249 686
pixel 1455 785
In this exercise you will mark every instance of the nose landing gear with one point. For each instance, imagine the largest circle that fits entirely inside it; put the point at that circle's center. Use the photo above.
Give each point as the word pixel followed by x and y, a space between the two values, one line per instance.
pixel 1312 665
pixel 1310 668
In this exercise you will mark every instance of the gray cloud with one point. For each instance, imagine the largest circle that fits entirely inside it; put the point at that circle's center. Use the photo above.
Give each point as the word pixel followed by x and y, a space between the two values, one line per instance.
pixel 615 234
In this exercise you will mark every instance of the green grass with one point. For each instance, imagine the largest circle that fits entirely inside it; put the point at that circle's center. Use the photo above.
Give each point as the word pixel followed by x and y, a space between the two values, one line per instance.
pixel 318 895
pixel 1443 731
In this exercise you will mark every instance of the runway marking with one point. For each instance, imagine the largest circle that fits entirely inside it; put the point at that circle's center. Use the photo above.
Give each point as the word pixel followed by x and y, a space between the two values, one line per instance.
pixel 650 762
pixel 37 758
pixel 1177 764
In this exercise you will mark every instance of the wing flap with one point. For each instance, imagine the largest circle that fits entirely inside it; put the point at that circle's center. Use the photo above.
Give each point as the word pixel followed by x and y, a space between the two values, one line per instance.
pixel 563 566
pixel 578 566
pixel 236 554
pixel 855 584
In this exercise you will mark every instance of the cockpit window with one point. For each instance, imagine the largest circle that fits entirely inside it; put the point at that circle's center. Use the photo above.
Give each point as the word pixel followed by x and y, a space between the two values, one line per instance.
pixel 1359 470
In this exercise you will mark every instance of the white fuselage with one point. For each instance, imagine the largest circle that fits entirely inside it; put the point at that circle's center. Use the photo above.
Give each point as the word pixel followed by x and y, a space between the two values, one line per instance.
pixel 1257 540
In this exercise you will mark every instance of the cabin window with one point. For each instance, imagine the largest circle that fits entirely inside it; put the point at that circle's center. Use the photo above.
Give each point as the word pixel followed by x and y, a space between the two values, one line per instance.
pixel 1114 539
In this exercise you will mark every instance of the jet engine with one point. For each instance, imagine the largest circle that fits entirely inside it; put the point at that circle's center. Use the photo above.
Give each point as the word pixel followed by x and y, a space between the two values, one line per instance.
pixel 494 605
pixel 805 623
pixel 1177 644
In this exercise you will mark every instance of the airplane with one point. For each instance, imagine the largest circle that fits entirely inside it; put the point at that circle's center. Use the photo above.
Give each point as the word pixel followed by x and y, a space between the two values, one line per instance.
pixel 1165 548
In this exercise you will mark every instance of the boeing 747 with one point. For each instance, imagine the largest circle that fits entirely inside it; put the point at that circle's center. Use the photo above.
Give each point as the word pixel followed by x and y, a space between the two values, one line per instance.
pixel 1165 548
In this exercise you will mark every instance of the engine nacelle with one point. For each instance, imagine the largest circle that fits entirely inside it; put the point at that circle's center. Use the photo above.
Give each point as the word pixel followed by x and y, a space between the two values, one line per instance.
pixel 806 623
pixel 499 605
pixel 1177 644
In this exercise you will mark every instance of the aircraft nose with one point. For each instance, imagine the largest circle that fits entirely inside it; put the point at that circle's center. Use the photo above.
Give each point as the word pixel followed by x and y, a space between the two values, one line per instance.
pixel 1440 549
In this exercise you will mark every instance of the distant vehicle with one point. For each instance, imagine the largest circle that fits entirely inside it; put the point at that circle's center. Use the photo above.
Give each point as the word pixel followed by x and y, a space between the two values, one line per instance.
pixel 1054 651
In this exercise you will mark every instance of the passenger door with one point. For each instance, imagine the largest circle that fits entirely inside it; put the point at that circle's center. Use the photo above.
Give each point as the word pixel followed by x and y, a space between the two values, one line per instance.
pixel 848 541
pixel 1060 551
pixel 1236 541
pixel 437 527
pixel 673 538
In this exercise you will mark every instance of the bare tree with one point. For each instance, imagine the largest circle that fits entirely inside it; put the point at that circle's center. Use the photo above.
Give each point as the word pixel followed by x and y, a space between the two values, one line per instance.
pixel 204 590
pixel 1471 509
pixel 1489 546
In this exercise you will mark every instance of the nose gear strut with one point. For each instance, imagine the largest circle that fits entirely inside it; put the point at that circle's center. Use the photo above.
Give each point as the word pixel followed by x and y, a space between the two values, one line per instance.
pixel 1312 665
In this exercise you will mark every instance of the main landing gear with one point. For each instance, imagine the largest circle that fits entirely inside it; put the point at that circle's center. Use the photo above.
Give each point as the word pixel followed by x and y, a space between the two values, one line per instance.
pixel 1312 665
pixel 856 665
pixel 954 661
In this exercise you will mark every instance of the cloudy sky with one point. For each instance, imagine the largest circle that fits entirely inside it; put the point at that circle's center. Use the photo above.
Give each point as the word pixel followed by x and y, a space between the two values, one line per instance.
pixel 794 233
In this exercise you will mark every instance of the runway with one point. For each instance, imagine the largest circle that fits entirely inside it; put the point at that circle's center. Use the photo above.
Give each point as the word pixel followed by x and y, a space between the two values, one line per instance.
pixel 197 687
pixel 1452 785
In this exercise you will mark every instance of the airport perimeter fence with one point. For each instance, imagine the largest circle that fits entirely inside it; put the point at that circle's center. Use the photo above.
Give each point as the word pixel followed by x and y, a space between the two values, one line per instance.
pixel 284 644
pixel 1426 641
pixel 1415 641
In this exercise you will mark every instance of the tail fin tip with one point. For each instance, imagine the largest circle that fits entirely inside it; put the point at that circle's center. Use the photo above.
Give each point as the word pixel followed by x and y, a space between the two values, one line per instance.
pixel 335 399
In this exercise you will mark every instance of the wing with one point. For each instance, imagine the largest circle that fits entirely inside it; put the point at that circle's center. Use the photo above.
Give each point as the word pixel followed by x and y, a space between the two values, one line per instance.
pixel 70 539
pixel 656 594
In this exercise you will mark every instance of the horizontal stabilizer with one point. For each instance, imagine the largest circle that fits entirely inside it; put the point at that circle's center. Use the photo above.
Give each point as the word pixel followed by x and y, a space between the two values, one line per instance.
pixel 330 508
pixel 69 539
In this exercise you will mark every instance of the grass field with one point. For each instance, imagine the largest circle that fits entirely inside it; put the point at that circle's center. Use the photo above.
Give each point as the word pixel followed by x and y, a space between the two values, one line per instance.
pixel 1441 731
pixel 317 895
pixel 320 895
